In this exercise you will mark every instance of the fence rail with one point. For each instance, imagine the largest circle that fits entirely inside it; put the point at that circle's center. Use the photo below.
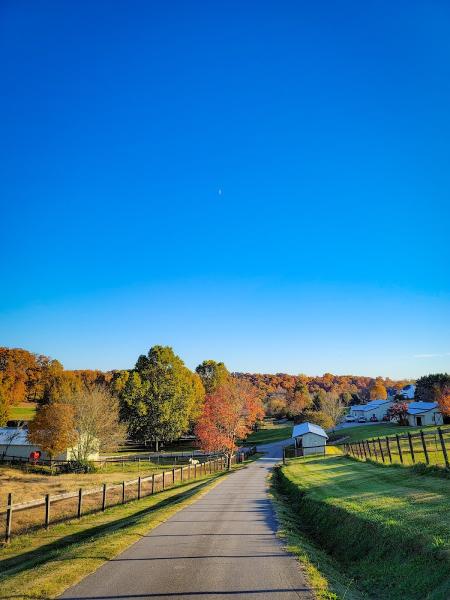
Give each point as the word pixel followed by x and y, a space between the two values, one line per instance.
pixel 427 447
pixel 47 509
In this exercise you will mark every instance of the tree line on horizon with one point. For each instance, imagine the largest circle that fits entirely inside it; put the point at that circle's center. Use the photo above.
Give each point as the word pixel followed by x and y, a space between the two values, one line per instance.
pixel 160 398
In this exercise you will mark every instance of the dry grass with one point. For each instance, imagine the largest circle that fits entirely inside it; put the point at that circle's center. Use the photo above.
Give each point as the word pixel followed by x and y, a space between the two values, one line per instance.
pixel 30 486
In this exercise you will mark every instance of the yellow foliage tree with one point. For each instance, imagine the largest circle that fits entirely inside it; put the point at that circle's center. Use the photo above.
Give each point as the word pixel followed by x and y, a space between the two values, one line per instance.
pixel 53 429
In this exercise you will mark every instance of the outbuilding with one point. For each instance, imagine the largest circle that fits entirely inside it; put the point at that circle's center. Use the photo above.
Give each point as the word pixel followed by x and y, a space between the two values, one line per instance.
pixel 424 413
pixel 375 410
pixel 309 439
pixel 14 444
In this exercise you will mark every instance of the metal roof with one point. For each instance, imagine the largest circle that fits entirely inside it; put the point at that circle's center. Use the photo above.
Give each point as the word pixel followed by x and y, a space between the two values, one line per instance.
pixel 14 436
pixel 308 428
pixel 416 408
pixel 370 405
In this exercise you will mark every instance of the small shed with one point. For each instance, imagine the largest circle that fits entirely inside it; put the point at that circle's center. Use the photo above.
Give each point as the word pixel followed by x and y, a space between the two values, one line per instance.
pixel 309 438
pixel 424 413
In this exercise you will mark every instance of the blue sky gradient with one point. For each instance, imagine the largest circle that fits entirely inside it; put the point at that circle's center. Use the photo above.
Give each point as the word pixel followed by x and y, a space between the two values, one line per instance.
pixel 264 183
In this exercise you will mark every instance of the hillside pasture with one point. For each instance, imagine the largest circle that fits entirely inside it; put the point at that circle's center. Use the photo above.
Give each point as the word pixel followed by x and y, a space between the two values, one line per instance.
pixel 387 528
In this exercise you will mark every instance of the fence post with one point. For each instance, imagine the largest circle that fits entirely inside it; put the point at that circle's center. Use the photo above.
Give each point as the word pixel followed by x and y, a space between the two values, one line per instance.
pixel 181 473
pixel 80 503
pixel 153 483
pixel 164 480
pixel 9 509
pixel 368 448
pixel 388 449
pixel 47 510
pixel 425 451
pixel 173 476
pixel 195 471
pixel 381 450
pixel 104 497
pixel 123 492
pixel 139 488
pixel 411 447
pixel 444 449
pixel 375 450
pixel 399 448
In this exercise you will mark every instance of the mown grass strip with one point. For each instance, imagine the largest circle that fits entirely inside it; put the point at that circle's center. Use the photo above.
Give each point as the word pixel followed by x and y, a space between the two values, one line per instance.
pixel 386 528
pixel 44 564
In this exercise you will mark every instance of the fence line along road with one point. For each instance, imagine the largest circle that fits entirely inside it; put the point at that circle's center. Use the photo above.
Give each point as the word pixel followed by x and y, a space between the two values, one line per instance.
pixel 89 501
pixel 424 446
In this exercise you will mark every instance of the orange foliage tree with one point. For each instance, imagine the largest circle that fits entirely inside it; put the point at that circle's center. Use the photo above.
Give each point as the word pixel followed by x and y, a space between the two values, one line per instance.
pixel 229 414
pixel 53 428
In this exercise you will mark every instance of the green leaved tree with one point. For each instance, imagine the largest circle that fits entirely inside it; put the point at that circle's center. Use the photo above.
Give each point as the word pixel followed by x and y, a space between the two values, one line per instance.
pixel 161 399
pixel 213 375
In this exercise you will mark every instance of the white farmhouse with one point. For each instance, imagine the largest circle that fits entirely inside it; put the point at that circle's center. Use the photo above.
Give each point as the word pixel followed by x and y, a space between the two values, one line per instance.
pixel 424 413
pixel 309 438
pixel 14 444
pixel 375 408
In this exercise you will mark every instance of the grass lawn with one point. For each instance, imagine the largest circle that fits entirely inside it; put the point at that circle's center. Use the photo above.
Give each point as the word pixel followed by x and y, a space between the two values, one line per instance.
pixel 269 432
pixel 386 527
pixel 43 564
pixel 366 432
pixel 25 410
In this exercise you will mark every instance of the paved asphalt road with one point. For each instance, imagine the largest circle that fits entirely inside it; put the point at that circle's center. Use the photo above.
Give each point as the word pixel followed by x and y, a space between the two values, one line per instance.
pixel 222 546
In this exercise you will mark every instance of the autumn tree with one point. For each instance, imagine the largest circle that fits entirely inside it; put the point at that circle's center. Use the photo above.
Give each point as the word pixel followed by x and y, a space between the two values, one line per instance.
pixel 378 390
pixel 4 404
pixel 298 400
pixel 161 399
pixel 333 407
pixel 53 428
pixel 398 412
pixel 318 417
pixel 96 421
pixel 213 375
pixel 229 414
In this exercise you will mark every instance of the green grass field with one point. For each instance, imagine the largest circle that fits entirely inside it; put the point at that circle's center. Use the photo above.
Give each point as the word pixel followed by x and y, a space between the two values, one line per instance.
pixel 269 432
pixel 366 432
pixel 24 411
pixel 387 528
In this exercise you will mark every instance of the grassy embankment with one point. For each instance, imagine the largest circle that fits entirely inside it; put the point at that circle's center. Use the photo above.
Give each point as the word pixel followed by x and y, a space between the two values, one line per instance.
pixel 269 432
pixel 386 529
pixel 45 563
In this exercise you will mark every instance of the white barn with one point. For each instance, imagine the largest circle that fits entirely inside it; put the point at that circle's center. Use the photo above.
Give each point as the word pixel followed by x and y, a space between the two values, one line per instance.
pixel 424 413
pixel 374 408
pixel 309 438
pixel 14 443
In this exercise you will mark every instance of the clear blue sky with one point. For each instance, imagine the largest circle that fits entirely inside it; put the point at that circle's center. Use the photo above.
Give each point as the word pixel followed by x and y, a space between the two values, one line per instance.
pixel 264 183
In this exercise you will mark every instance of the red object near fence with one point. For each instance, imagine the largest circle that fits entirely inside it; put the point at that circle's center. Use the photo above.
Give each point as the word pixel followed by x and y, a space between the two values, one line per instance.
pixel 34 456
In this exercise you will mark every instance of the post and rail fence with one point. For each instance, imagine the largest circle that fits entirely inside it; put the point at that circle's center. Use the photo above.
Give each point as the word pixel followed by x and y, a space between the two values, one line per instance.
pixel 424 446
pixel 61 507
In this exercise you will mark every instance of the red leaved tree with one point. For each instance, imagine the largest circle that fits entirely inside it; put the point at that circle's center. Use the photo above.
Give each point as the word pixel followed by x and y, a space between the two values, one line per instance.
pixel 399 412
pixel 229 414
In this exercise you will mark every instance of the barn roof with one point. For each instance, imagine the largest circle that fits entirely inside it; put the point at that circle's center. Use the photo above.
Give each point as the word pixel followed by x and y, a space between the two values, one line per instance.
pixel 416 408
pixel 14 436
pixel 308 428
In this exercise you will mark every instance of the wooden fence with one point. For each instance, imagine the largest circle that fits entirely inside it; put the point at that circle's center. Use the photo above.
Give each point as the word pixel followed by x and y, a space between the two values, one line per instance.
pixel 39 513
pixel 428 447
